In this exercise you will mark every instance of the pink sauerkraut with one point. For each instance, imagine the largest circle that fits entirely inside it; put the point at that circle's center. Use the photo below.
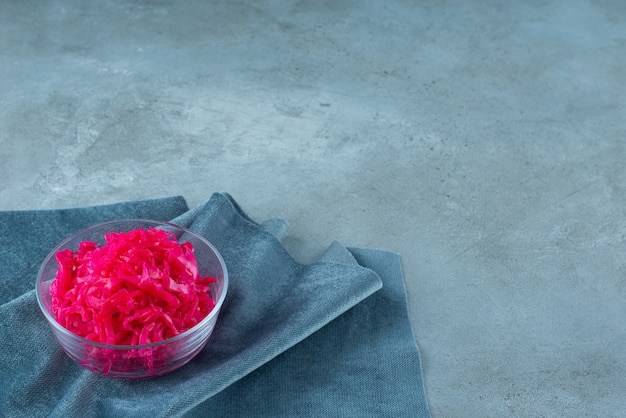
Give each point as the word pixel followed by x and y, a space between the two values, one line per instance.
pixel 140 287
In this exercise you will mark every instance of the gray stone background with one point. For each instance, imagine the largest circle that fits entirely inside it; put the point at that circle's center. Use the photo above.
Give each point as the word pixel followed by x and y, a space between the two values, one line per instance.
pixel 481 140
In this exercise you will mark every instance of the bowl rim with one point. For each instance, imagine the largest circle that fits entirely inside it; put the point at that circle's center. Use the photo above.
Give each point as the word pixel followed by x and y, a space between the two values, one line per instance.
pixel 53 321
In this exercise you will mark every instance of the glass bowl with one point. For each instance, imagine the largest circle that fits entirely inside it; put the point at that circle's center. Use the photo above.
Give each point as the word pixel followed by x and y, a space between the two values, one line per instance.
pixel 144 360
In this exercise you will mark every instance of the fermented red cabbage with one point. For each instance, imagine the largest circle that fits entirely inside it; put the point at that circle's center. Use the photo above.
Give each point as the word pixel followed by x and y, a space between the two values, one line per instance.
pixel 140 287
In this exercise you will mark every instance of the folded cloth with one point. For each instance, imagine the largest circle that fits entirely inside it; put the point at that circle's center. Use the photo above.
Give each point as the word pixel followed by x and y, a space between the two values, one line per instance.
pixel 291 339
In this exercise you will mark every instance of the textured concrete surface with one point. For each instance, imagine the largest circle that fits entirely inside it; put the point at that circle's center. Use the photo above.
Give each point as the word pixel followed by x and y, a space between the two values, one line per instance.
pixel 483 141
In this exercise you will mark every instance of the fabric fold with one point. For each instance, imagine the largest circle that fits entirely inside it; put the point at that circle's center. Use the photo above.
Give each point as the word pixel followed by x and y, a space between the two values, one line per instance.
pixel 362 364
pixel 275 307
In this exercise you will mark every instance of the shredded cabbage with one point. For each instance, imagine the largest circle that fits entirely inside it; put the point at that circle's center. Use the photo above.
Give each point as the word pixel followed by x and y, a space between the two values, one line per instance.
pixel 140 287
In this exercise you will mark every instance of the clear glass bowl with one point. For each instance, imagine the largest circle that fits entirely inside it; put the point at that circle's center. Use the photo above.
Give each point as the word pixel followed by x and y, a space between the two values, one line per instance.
pixel 136 361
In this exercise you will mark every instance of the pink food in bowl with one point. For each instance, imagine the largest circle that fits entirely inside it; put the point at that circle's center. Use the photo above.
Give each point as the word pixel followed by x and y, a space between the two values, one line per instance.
pixel 132 298
pixel 141 287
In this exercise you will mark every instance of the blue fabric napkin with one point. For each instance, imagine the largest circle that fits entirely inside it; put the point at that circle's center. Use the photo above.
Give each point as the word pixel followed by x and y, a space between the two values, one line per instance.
pixel 331 338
